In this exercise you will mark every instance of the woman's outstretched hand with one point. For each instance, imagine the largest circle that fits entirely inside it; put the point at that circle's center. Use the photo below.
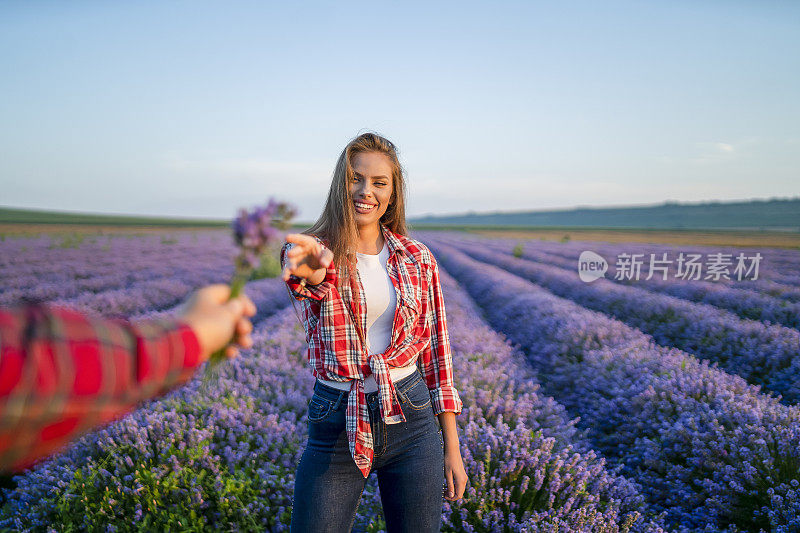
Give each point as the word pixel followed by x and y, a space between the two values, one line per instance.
pixel 306 259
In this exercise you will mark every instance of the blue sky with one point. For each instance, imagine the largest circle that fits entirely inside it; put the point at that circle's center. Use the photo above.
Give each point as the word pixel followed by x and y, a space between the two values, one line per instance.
pixel 194 108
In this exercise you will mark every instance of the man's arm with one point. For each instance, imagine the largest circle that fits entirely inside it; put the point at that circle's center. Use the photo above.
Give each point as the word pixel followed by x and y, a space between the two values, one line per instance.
pixel 63 373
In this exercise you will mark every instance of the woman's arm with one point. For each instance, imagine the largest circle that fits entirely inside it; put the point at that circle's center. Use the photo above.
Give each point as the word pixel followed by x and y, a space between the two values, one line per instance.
pixel 455 473
pixel 436 358
pixel 437 368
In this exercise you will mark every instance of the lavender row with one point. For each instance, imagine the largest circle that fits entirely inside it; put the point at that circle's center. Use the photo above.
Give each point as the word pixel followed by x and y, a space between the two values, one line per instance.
pixel 528 466
pixel 134 279
pixel 747 304
pixel 100 283
pixel 269 295
pixel 765 355
pixel 778 265
pixel 764 285
pixel 59 274
pixel 146 295
pixel 143 296
pixel 705 446
pixel 773 280
pixel 41 261
pixel 780 301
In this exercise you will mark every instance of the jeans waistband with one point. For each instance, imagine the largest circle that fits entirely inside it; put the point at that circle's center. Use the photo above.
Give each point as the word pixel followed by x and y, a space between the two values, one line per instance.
pixel 334 394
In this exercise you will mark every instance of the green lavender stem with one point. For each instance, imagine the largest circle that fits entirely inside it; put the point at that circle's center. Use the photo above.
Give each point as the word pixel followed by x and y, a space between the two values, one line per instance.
pixel 237 284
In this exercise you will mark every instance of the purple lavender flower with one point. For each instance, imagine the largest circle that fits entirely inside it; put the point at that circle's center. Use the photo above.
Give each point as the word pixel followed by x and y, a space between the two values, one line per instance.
pixel 256 230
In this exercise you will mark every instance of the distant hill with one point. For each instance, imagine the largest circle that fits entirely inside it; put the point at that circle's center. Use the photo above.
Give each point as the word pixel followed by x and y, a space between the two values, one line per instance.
pixel 770 214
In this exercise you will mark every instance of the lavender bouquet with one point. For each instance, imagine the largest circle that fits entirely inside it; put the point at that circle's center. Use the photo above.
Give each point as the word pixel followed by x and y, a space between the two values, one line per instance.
pixel 255 233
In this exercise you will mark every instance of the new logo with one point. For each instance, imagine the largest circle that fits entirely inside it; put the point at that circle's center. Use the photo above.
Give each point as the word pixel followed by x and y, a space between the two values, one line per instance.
pixel 591 266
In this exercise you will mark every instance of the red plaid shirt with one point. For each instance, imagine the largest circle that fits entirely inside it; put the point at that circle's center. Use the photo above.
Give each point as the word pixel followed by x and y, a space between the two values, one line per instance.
pixel 335 321
pixel 63 373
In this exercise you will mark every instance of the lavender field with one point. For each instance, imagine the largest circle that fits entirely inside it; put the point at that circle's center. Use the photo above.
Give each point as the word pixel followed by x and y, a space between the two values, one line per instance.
pixel 610 406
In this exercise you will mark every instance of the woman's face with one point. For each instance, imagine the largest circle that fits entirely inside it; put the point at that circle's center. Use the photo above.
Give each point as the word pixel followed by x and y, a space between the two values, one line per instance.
pixel 371 187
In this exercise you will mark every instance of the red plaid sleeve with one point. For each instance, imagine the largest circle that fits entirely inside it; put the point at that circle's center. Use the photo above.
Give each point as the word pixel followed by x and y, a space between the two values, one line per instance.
pixel 63 373
pixel 436 362
pixel 298 285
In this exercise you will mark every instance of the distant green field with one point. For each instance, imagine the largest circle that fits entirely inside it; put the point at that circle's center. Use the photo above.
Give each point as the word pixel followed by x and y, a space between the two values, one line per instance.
pixel 30 216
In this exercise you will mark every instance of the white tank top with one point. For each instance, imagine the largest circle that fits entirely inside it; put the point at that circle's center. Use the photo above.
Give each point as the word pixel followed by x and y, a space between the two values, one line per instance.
pixel 381 301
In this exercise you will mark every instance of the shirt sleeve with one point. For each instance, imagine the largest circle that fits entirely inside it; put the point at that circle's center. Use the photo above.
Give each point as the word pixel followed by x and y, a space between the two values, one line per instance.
pixel 63 373
pixel 436 358
pixel 300 290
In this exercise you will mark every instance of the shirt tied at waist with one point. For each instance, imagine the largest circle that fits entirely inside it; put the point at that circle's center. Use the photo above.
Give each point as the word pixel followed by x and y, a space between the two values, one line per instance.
pixel 359 429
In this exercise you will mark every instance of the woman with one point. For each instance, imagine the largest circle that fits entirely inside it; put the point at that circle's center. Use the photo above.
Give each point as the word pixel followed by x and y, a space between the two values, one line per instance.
pixel 378 345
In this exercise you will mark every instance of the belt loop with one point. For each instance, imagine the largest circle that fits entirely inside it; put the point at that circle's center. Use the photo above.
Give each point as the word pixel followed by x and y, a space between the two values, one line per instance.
pixel 338 400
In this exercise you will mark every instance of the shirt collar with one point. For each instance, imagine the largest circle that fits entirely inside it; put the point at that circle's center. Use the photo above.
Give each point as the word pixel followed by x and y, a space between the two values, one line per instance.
pixel 394 244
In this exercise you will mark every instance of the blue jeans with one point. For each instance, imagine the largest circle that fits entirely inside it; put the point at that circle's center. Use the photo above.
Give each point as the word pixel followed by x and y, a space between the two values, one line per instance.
pixel 409 460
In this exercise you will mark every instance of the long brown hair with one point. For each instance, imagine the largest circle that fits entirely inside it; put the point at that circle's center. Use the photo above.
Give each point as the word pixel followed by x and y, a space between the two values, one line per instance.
pixel 336 225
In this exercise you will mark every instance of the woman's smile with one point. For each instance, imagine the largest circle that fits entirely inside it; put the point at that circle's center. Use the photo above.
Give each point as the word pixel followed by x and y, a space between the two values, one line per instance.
pixel 364 207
